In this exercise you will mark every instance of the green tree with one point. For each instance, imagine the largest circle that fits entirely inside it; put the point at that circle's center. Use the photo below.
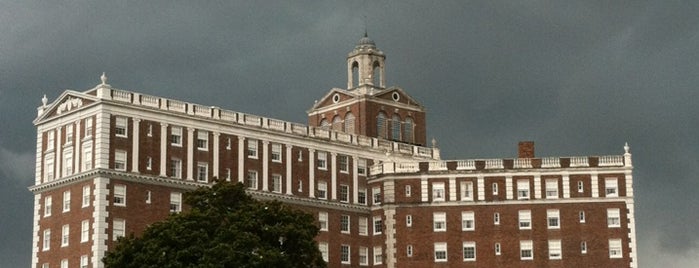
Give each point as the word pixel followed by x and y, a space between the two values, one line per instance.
pixel 225 227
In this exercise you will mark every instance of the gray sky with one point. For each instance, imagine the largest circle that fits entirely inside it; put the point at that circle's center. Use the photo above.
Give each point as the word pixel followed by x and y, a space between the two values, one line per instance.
pixel 579 78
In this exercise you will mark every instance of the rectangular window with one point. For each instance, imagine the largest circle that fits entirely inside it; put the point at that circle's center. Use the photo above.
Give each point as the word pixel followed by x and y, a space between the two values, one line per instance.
pixel 440 252
pixel 497 249
pixel 469 249
pixel 555 252
pixel 45 265
pixel 468 221
pixel 438 192
pixel 87 155
pixel 276 183
pixel 251 179
pixel 583 247
pixel 83 261
pixel 345 254
pixel 149 163
pixel 496 218
pixel 322 160
pixel 345 223
pixel 376 193
pixel 361 196
pixel 378 255
pixel 121 128
pixel 120 160
pixel 51 140
pixel 409 250
pixel 343 163
pixel 553 218
pixel 86 196
pixel 49 168
pixel 409 220
pixel 176 168
pixel 466 191
pixel 150 130
pixel 552 189
pixel 581 187
pixel 276 152
pixel 202 140
pixel 202 172
pixel 118 228
pixel 47 206
pixel 363 226
pixel 69 133
pixel 66 201
pixel 611 187
pixel 323 247
pixel 408 191
pixel 526 250
pixel 378 225
pixel 252 148
pixel 322 191
pixel 361 167
pixel 68 162
pixel 148 196
pixel 84 231
pixel 88 126
pixel 523 189
pixel 228 174
pixel 525 219
pixel 176 136
pixel 613 218
pixel 495 188
pixel 439 220
pixel 64 263
pixel 47 240
pixel 581 216
pixel 615 249
pixel 344 193
pixel 363 256
pixel 119 195
pixel 65 235
pixel 175 202
pixel 323 221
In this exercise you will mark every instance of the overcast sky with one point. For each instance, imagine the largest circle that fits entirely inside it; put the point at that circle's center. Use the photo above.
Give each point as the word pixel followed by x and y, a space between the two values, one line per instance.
pixel 578 78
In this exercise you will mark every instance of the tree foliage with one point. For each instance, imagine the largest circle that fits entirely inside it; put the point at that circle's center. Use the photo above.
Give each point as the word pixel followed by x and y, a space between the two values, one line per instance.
pixel 225 227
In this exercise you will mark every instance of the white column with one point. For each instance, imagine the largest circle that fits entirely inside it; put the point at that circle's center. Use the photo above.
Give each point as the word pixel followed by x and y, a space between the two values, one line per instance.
pixel 311 173
pixel 241 159
pixel 566 186
pixel 333 176
pixel 163 149
pixel 537 186
pixel 481 187
pixel 58 160
pixel 593 184
pixel 134 145
pixel 35 231
pixel 190 153
pixel 289 159
pixel 215 172
pixel 452 189
pixel 355 180
pixel 77 148
pixel 99 221
pixel 265 165
pixel 38 167
pixel 508 187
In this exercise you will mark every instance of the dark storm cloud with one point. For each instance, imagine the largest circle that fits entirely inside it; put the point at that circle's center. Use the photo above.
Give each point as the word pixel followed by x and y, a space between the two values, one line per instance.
pixel 579 78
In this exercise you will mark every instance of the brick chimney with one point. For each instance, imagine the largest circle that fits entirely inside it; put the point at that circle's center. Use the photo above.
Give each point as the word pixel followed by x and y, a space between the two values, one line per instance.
pixel 526 149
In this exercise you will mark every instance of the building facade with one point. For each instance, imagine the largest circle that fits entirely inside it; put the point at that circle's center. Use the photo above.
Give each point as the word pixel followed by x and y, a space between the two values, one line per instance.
pixel 109 162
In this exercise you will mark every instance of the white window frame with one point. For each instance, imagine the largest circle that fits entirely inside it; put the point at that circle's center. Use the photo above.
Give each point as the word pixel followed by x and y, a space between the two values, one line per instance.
pixel 148 197
pixel 69 134
pixel 176 136
pixel 66 201
pixel 119 195
pixel 68 162
pixel 118 228
pixel 378 225
pixel 84 261
pixel 202 140
pixel 581 187
pixel 466 191
pixel 277 183
pixel 409 250
pixel 408 191
pixel 48 206
pixel 88 126
pixel 64 263
pixel 498 249
pixel 468 221
pixel 175 202
pixel 276 155
pixel 65 235
pixel 496 189
pixel 86 196
pixel 361 167
pixel 615 249
pixel 551 188
pixel 87 156
pixel 322 162
pixel 555 251
pixel 408 220
pixel 581 216
pixel 526 250
pixel 323 221
pixel 361 196
pixel 438 192
pixel 343 163
pixel 84 231
pixel 49 168
pixel 322 191
pixel 439 249
pixel 376 194
pixel 149 163
pixel 121 127
pixel 120 158
pixel 46 245
pixel 523 190
pixel 51 140
pixel 344 193
pixel 363 225
pixel 469 250
pixel 525 219
pixel 583 247
pixel 202 172
pixel 252 179
pixel 553 219
pixel 345 224
pixel 611 187
pixel 378 255
pixel 344 254
pixel 176 168
pixel 496 218
pixel 613 218
pixel 439 221
pixel 252 148
pixel 323 247
pixel 363 256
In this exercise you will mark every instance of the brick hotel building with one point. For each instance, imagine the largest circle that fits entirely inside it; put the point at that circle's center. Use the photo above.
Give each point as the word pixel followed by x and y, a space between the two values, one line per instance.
pixel 109 162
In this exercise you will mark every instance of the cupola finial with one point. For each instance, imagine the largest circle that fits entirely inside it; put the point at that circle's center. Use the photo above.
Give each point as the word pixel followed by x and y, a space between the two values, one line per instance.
pixel 103 78
pixel 44 100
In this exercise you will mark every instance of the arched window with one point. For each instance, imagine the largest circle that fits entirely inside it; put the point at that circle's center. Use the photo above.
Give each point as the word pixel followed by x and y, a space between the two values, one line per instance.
pixel 355 74
pixel 349 123
pixel 324 124
pixel 337 123
pixel 381 128
pixel 395 127
pixel 408 130
pixel 376 74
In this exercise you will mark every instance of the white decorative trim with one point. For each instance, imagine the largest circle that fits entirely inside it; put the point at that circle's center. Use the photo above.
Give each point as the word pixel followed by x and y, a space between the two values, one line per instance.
pixel 136 124
pixel 390 232
pixel 265 165
pixel 452 189
pixel 633 255
pixel 289 167
pixel 35 230
pixel 190 153
pixel 566 185
pixel 537 186
pixel 424 189
pixel 242 154
pixel 594 184
pixel 101 149
pixel 215 171
pixel 481 187
pixel 333 175
pixel 508 187
pixel 311 173
pixel 163 149
pixel 99 221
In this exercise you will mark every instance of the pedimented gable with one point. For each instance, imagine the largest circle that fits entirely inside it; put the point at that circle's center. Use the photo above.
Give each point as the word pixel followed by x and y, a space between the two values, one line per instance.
pixel 396 94
pixel 334 96
pixel 68 102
